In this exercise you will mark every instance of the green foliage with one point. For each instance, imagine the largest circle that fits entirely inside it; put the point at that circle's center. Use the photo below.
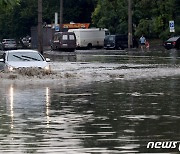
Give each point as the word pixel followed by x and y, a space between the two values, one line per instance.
pixel 111 14
pixel 8 4
pixel 143 28
pixel 150 17
pixel 17 20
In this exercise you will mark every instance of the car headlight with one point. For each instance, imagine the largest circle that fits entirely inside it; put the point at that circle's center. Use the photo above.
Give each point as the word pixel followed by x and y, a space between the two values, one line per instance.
pixel 10 68
pixel 47 68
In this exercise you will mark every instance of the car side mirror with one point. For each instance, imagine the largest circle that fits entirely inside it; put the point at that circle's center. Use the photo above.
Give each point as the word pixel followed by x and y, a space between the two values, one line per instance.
pixel 48 60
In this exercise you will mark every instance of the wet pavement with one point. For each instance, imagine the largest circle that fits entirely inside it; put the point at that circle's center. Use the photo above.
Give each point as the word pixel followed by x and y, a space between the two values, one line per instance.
pixel 109 102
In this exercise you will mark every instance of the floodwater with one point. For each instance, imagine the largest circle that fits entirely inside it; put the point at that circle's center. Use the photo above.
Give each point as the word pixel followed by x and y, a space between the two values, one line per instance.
pixel 118 114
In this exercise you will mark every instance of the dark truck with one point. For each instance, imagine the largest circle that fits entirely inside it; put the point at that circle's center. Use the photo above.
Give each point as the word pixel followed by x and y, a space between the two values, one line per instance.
pixel 65 41
pixel 118 42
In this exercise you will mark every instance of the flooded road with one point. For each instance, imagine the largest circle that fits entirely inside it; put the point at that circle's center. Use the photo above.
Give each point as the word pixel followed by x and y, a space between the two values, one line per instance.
pixel 109 103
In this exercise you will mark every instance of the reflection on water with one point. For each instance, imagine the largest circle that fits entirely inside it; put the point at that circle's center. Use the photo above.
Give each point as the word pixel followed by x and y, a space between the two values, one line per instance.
pixel 101 117
pixel 11 96
pixel 117 56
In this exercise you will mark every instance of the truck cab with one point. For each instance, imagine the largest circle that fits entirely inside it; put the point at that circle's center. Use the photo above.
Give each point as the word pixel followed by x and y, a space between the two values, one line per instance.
pixel 119 41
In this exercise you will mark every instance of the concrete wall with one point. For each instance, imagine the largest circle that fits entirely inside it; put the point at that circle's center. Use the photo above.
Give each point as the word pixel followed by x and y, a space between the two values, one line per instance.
pixel 47 37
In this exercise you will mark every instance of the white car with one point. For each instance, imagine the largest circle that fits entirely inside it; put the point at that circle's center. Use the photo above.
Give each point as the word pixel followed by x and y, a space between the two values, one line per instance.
pixel 16 59
pixel 8 44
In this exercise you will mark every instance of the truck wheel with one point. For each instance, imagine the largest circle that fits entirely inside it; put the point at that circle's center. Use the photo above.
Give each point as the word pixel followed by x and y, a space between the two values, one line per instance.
pixel 71 50
pixel 89 46
pixel 121 48
pixel 51 48
pixel 117 48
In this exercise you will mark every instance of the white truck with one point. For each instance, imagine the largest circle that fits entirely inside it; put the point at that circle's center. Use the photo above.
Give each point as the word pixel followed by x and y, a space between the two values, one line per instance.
pixel 89 38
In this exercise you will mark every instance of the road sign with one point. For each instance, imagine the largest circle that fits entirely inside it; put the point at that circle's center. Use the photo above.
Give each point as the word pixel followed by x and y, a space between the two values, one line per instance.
pixel 171 26
pixel 56 28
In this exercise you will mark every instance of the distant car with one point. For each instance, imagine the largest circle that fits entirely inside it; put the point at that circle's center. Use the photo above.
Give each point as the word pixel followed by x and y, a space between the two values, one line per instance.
pixel 173 42
pixel 16 59
pixel 9 44
pixel 119 41
pixel 26 41
pixel 65 41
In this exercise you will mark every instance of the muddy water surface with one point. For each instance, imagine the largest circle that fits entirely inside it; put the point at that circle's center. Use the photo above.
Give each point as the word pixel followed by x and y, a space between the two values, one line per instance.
pixel 113 116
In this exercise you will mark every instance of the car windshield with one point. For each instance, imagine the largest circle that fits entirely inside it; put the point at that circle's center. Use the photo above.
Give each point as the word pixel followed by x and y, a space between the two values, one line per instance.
pixel 173 39
pixel 110 38
pixel 24 56
pixel 10 41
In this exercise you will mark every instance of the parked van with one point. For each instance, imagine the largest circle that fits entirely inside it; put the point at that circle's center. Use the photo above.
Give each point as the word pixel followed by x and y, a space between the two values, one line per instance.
pixel 64 41
pixel 118 42
pixel 88 38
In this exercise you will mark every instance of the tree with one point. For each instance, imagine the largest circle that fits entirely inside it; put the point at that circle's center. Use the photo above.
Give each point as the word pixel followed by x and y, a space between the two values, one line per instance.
pixel 6 7
pixel 111 15
pixel 157 14
pixel 17 21
pixel 4 4
pixel 150 17
pixel 176 16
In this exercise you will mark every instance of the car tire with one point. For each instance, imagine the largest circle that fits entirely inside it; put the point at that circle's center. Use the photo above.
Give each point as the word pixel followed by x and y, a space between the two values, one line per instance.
pixel 89 46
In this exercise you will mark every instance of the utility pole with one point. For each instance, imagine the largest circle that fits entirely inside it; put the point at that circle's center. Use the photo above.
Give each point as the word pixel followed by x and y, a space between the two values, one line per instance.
pixel 129 24
pixel 40 33
pixel 61 16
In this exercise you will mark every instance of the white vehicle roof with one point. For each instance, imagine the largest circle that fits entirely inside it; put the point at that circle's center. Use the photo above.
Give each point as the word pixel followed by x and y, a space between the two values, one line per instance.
pixel 89 29
pixel 8 39
pixel 21 50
